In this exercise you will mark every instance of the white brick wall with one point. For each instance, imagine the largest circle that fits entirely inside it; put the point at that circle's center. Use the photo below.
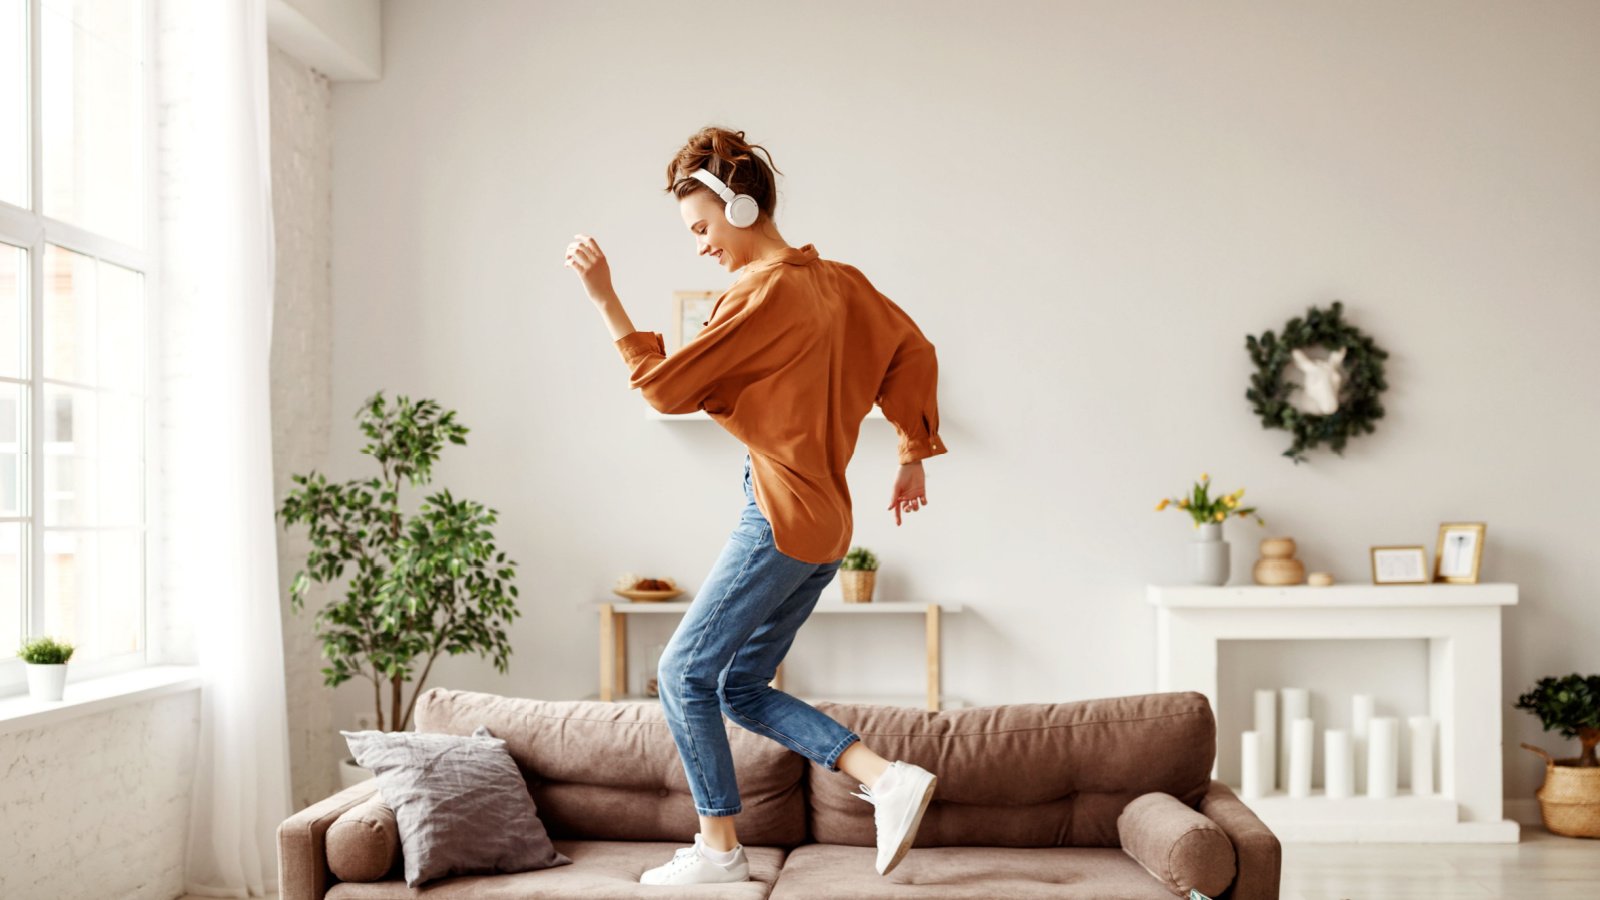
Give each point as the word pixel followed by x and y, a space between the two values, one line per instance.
pixel 98 806
pixel 301 387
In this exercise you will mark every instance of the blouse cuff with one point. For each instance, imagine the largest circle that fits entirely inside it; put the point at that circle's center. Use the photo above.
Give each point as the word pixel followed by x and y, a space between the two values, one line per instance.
pixel 636 345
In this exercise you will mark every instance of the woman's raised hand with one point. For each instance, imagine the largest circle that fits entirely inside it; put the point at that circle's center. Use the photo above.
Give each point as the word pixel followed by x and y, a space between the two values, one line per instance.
pixel 585 258
pixel 910 490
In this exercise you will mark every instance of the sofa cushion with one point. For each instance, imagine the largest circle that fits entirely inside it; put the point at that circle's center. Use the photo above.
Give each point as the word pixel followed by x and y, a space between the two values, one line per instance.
pixel 459 801
pixel 611 771
pixel 1025 774
pixel 600 870
pixel 966 873
pixel 364 842
pixel 1183 849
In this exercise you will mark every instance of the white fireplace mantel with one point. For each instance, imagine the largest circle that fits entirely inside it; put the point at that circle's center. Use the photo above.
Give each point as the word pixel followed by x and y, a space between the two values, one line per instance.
pixel 1460 622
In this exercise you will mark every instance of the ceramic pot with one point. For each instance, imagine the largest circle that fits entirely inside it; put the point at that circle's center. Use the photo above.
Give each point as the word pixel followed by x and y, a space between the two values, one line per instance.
pixel 47 681
pixel 1209 555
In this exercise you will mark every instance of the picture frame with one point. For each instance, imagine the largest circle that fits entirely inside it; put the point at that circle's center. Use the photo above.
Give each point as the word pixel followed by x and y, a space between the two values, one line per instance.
pixel 1400 565
pixel 690 312
pixel 1460 553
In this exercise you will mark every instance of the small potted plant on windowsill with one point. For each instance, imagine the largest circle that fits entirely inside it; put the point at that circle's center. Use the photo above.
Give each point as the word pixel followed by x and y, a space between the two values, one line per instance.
pixel 857 573
pixel 1569 799
pixel 47 667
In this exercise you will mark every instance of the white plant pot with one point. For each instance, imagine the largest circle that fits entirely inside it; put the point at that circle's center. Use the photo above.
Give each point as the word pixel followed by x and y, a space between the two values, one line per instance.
pixel 47 681
pixel 351 774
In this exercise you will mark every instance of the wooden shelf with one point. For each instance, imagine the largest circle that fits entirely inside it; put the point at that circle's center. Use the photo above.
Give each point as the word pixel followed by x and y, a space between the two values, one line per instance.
pixel 701 415
pixel 614 639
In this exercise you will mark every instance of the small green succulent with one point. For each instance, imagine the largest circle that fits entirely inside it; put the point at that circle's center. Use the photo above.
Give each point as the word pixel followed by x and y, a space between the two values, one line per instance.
pixel 45 651
pixel 859 559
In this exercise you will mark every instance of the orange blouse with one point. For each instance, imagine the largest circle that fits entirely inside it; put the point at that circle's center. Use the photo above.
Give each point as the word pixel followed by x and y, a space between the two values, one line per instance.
pixel 794 355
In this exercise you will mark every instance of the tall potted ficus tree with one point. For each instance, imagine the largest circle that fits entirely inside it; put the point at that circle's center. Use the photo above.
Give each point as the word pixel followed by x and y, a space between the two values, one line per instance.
pixel 1569 799
pixel 418 585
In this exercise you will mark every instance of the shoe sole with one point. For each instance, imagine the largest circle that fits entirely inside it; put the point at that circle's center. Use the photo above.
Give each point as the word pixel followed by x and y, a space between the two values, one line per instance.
pixel 911 830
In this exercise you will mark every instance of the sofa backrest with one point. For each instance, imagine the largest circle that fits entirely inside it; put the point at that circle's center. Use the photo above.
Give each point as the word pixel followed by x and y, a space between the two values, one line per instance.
pixel 1026 774
pixel 611 771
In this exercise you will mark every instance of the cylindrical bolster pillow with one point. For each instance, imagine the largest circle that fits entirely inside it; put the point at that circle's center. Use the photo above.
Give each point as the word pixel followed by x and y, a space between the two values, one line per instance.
pixel 1181 848
pixel 364 843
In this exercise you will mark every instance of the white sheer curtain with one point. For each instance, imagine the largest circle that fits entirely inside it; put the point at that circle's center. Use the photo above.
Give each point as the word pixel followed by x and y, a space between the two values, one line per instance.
pixel 218 532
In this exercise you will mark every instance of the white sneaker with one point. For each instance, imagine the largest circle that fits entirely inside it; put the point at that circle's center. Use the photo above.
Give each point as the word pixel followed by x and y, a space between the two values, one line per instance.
pixel 900 800
pixel 690 866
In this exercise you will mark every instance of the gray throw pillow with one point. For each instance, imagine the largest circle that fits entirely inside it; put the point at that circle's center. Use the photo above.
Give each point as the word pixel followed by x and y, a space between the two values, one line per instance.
pixel 461 803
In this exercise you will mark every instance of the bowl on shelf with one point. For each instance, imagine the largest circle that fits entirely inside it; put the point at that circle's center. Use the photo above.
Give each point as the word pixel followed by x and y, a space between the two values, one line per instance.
pixel 646 596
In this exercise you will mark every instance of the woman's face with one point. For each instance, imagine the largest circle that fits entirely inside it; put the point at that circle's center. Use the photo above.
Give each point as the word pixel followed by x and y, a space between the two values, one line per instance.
pixel 713 236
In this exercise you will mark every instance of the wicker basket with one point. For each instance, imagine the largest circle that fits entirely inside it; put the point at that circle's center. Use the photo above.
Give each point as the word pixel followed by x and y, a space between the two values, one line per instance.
pixel 1569 799
pixel 857 584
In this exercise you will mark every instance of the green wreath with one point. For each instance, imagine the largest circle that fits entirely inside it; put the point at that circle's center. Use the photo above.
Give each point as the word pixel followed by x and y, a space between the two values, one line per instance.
pixel 1358 397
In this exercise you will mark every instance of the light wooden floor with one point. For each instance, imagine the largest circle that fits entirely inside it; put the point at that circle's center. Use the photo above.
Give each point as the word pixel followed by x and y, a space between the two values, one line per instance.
pixel 1541 867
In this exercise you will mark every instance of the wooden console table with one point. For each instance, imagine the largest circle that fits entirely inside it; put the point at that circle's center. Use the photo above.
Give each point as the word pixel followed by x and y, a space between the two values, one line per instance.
pixel 614 641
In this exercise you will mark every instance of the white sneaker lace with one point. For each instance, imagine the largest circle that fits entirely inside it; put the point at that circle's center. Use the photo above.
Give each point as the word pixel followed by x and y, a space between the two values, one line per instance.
pixel 868 796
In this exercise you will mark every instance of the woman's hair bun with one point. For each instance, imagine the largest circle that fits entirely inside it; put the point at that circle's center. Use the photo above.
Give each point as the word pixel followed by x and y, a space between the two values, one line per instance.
pixel 727 155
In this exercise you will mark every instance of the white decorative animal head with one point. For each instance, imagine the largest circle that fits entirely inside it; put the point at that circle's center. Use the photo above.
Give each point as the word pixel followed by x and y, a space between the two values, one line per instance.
pixel 1323 378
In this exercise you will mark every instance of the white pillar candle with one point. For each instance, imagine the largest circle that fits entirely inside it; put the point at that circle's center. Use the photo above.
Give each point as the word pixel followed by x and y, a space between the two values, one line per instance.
pixel 1361 708
pixel 1300 736
pixel 1383 755
pixel 1337 764
pixel 1421 755
pixel 1267 733
pixel 1250 765
pixel 1296 705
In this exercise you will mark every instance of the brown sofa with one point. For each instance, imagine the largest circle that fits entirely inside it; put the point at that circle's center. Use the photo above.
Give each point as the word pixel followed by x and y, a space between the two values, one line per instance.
pixel 1030 801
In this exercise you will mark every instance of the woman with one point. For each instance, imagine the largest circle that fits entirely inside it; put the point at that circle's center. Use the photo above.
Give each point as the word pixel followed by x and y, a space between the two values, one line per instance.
pixel 793 356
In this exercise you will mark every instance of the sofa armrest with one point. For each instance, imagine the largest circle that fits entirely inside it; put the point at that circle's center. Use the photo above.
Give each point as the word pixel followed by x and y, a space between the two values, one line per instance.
pixel 1177 845
pixel 303 872
pixel 1260 857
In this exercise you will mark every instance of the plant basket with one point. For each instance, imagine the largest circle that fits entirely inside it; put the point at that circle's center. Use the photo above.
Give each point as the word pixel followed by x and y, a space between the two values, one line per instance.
pixel 857 584
pixel 1569 799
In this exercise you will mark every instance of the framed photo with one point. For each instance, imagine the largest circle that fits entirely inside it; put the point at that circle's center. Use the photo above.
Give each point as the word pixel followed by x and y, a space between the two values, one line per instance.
pixel 1400 565
pixel 1460 552
pixel 690 312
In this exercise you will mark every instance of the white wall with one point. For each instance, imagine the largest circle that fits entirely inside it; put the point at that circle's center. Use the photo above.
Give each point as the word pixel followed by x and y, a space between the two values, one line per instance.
pixel 1086 207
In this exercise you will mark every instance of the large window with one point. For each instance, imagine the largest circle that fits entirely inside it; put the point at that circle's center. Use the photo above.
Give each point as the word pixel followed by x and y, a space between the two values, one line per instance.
pixel 74 265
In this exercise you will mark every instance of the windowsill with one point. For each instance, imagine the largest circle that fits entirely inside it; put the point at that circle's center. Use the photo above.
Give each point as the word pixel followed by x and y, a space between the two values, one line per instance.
pixel 94 695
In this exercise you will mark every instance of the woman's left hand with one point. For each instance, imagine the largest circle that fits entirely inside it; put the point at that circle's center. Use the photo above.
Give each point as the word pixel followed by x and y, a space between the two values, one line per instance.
pixel 585 258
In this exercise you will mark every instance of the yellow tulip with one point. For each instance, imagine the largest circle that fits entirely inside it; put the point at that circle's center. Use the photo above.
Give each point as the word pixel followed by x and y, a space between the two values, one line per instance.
pixel 1184 503
pixel 1239 492
pixel 1229 502
pixel 1221 516
pixel 1163 505
pixel 1204 476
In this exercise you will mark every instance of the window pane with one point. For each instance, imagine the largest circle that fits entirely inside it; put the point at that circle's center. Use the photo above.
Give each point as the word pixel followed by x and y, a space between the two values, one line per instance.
pixel 13 300
pixel 69 315
pixel 70 445
pixel 14 102
pixel 94 585
pixel 119 305
pixel 12 455
pixel 10 588
pixel 92 114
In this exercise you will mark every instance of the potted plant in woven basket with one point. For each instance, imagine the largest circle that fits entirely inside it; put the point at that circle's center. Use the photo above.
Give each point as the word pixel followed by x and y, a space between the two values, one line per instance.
pixel 857 573
pixel 1569 799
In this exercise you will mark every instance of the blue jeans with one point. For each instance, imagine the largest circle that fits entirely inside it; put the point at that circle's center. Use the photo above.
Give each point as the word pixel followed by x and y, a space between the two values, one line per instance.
pixel 726 650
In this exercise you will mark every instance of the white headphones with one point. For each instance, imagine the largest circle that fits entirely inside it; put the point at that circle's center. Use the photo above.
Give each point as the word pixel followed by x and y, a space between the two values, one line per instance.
pixel 740 209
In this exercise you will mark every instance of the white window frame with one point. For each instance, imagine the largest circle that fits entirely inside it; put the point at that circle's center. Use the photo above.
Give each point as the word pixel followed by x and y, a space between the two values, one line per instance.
pixel 32 230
